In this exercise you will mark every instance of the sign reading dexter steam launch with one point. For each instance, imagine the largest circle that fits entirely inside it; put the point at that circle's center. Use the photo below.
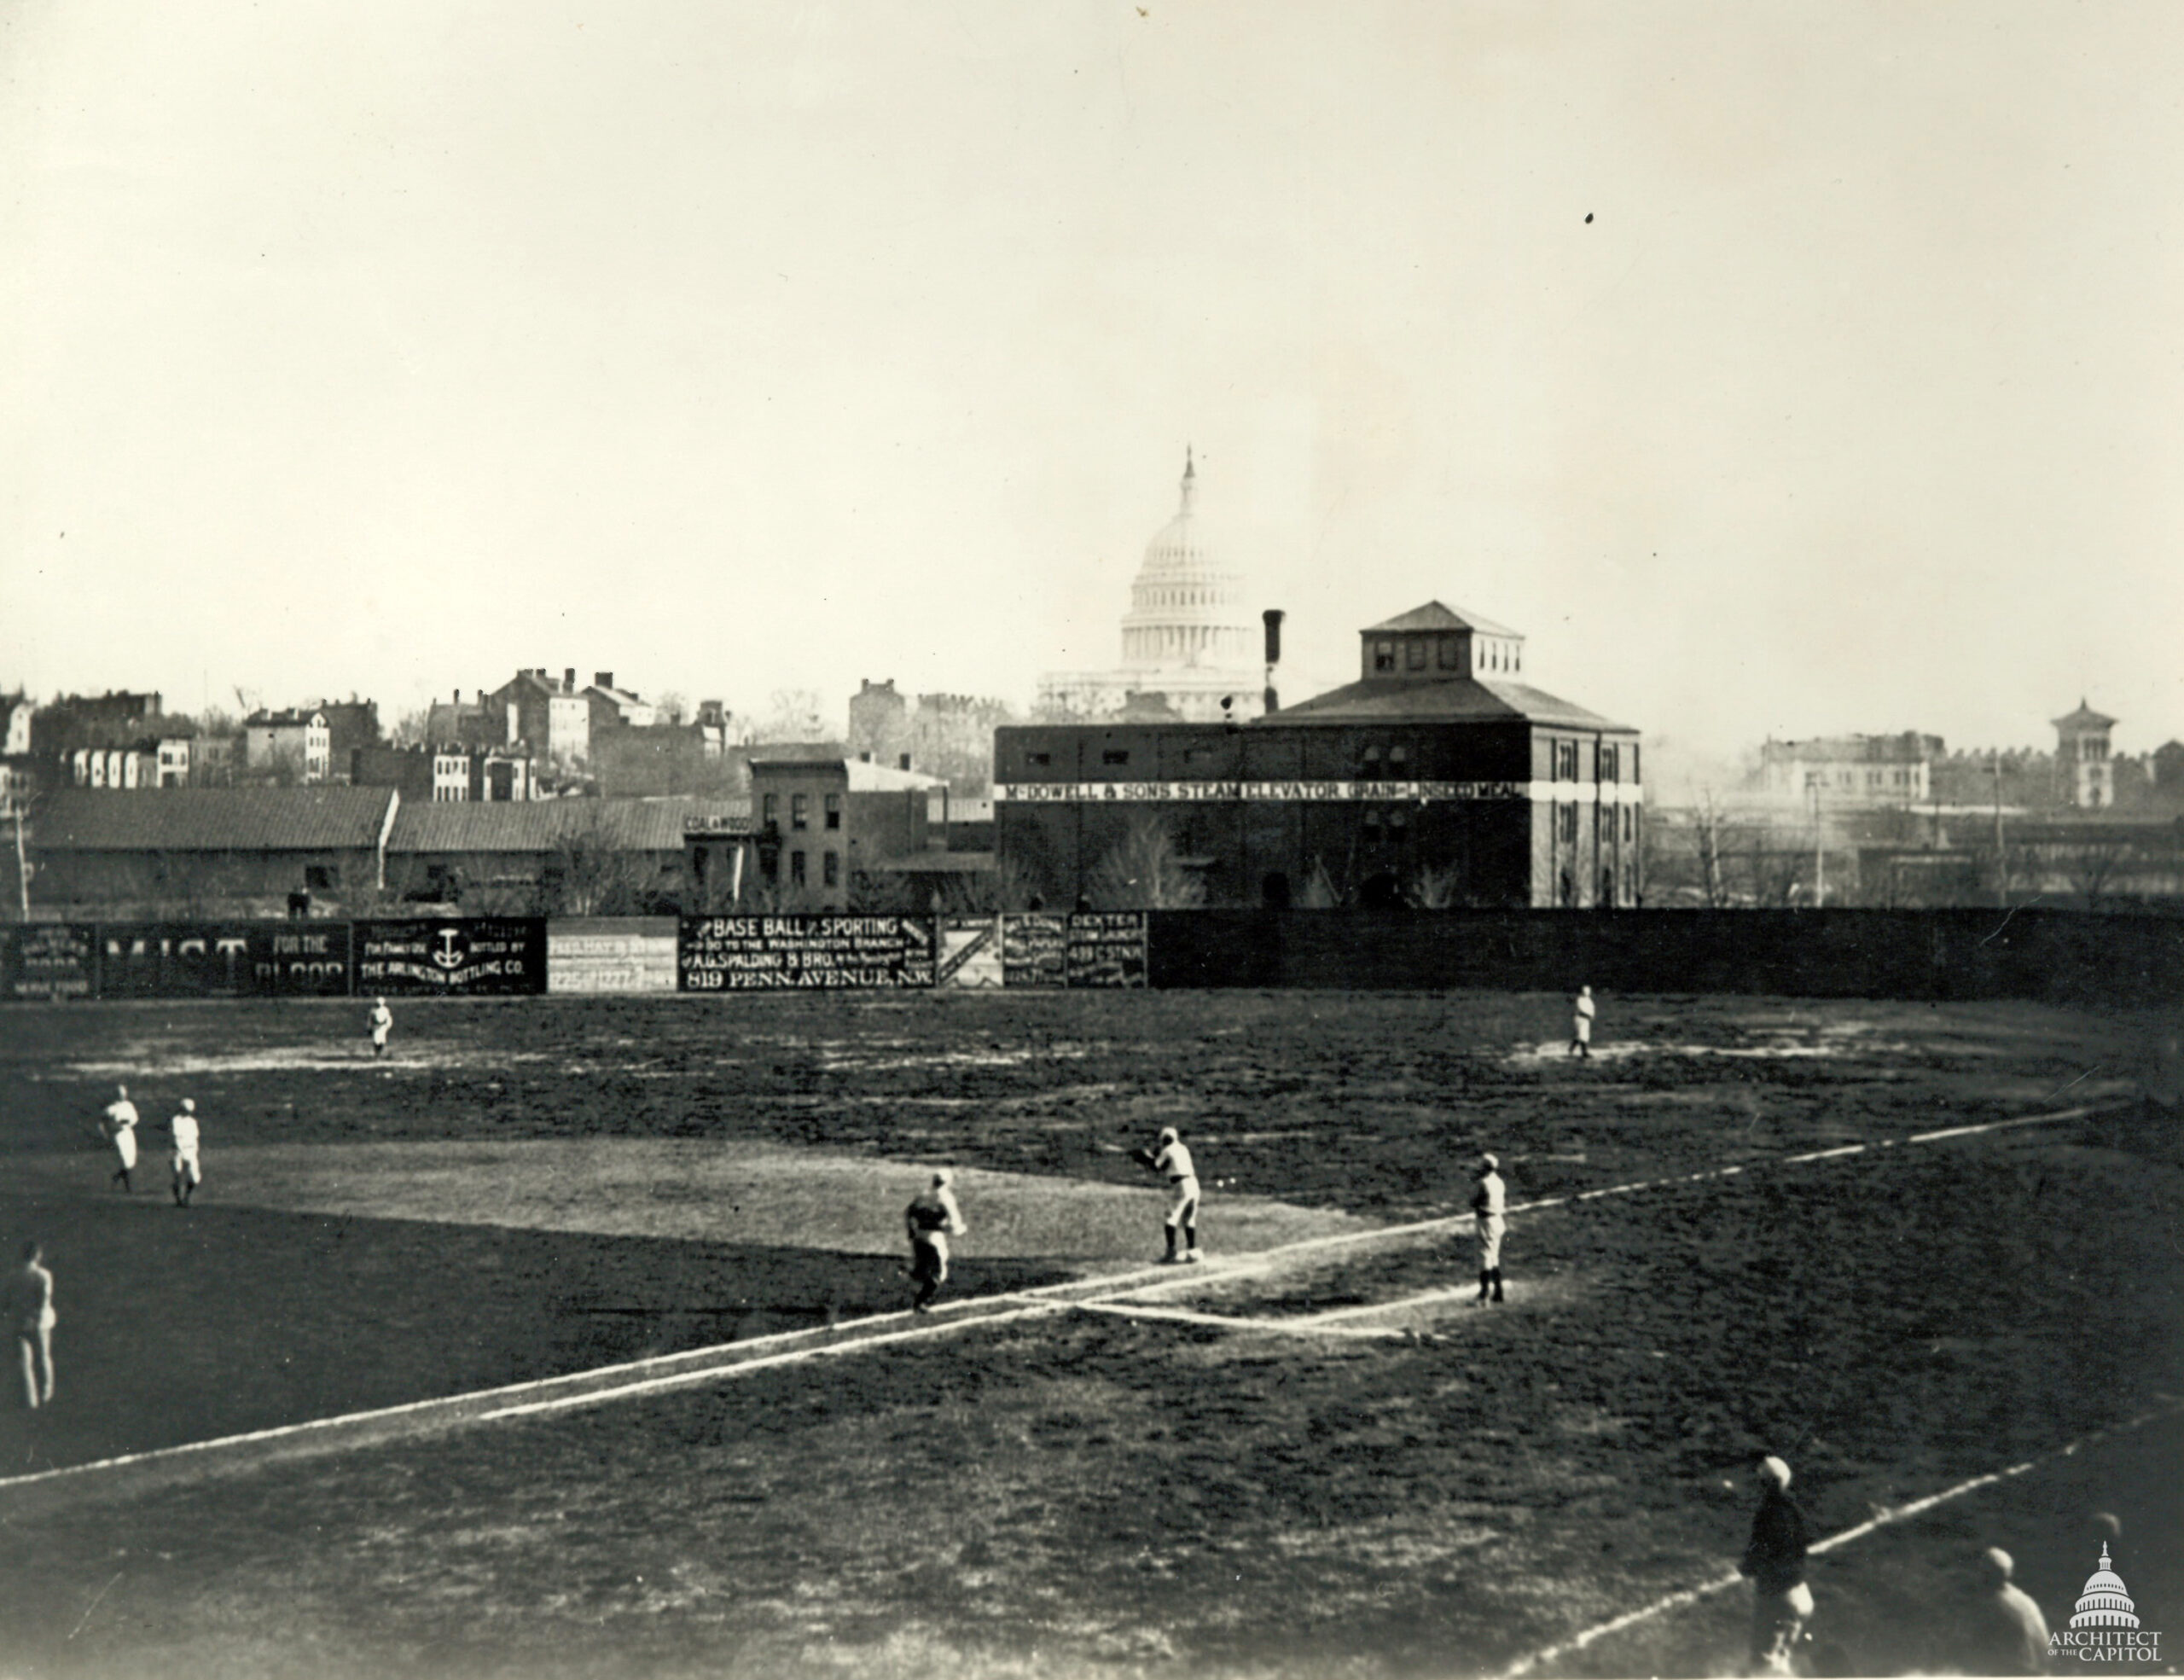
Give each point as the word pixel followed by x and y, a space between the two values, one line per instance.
pixel 773 953
pixel 475 958
pixel 2104 1628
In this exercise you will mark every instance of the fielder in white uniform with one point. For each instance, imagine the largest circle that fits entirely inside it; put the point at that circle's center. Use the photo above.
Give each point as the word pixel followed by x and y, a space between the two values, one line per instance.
pixel 382 1023
pixel 118 1125
pixel 188 1173
pixel 30 1304
pixel 1173 1161
pixel 930 1219
pixel 1489 1206
pixel 1581 1023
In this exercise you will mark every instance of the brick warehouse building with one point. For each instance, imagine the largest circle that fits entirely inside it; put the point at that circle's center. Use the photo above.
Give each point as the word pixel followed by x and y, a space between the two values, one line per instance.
pixel 1438 778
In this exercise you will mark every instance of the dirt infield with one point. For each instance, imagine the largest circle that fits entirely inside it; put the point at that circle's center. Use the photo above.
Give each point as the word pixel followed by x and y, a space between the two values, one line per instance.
pixel 1078 1494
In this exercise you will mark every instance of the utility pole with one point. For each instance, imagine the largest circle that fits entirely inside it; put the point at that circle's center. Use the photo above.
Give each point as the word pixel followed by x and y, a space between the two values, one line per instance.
pixel 2001 858
pixel 1818 854
pixel 22 867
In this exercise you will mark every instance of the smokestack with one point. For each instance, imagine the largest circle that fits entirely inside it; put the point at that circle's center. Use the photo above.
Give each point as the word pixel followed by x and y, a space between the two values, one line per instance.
pixel 569 678
pixel 602 679
pixel 1272 617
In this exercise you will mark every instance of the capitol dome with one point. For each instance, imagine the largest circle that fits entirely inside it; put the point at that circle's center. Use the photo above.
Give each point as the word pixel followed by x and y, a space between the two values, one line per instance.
pixel 2104 1603
pixel 1185 610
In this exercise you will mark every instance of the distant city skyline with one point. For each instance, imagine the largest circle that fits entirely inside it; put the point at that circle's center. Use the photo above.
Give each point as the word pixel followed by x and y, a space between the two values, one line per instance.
pixel 1798 372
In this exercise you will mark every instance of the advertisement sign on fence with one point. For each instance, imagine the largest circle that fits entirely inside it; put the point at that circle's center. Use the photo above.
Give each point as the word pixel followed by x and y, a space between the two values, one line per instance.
pixel 611 956
pixel 1034 950
pixel 224 959
pixel 42 961
pixel 769 953
pixel 970 951
pixel 482 955
pixel 1106 948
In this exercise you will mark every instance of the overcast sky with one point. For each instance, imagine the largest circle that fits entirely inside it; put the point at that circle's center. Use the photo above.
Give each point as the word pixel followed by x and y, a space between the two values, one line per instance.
pixel 1777 368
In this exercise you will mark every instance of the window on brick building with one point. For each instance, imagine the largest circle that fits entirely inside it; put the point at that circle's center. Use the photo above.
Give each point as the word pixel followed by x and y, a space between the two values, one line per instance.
pixel 1114 755
pixel 1414 657
pixel 1384 656
pixel 1452 653
pixel 771 810
pixel 834 812
pixel 799 812
pixel 830 868
pixel 796 868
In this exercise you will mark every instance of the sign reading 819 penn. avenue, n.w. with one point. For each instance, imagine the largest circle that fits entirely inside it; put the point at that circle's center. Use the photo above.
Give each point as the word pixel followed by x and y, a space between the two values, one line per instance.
pixel 475 956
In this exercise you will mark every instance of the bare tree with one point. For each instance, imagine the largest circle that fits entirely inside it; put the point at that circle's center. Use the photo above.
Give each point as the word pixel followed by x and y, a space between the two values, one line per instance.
pixel 1710 851
pixel 2093 865
pixel 1438 889
pixel 792 714
pixel 1319 891
pixel 1144 873
pixel 588 873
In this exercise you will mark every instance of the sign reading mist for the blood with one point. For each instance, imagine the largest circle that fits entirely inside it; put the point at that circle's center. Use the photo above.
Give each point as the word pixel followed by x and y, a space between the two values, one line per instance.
pixel 224 959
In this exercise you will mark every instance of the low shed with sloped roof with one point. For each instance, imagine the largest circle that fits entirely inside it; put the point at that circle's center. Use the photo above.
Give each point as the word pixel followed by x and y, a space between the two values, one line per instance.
pixel 550 856
pixel 229 850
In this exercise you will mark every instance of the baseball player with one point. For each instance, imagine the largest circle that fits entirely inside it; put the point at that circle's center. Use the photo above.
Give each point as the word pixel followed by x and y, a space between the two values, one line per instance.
pixel 30 1304
pixel 382 1023
pixel 1173 1160
pixel 1781 1603
pixel 118 1125
pixel 182 1133
pixel 930 1219
pixel 1489 1199
pixel 1581 1023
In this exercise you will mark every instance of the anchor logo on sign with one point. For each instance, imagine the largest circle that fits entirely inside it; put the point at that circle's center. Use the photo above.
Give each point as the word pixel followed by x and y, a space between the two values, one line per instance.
pixel 452 948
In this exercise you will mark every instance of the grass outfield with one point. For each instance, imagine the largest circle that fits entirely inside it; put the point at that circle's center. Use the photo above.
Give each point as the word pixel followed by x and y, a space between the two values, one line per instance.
pixel 1076 1493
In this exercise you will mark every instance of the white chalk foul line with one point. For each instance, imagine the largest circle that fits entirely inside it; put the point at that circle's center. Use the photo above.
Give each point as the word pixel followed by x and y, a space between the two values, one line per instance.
pixel 1285 1327
pixel 1268 1259
pixel 693 1366
pixel 1677 1601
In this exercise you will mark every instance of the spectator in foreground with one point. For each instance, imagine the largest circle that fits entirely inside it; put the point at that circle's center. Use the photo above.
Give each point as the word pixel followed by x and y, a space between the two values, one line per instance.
pixel 1781 1603
pixel 2004 1632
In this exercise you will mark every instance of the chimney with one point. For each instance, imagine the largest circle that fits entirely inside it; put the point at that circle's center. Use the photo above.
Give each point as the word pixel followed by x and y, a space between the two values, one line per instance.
pixel 569 678
pixel 906 761
pixel 864 757
pixel 602 679
pixel 1272 619
pixel 458 696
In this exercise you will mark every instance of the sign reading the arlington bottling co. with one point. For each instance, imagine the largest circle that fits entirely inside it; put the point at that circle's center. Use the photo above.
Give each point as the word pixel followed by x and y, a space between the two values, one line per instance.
pixel 770 953
pixel 468 957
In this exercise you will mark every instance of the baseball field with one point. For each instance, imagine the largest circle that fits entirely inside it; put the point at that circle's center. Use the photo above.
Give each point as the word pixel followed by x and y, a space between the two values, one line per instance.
pixel 1923 1252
